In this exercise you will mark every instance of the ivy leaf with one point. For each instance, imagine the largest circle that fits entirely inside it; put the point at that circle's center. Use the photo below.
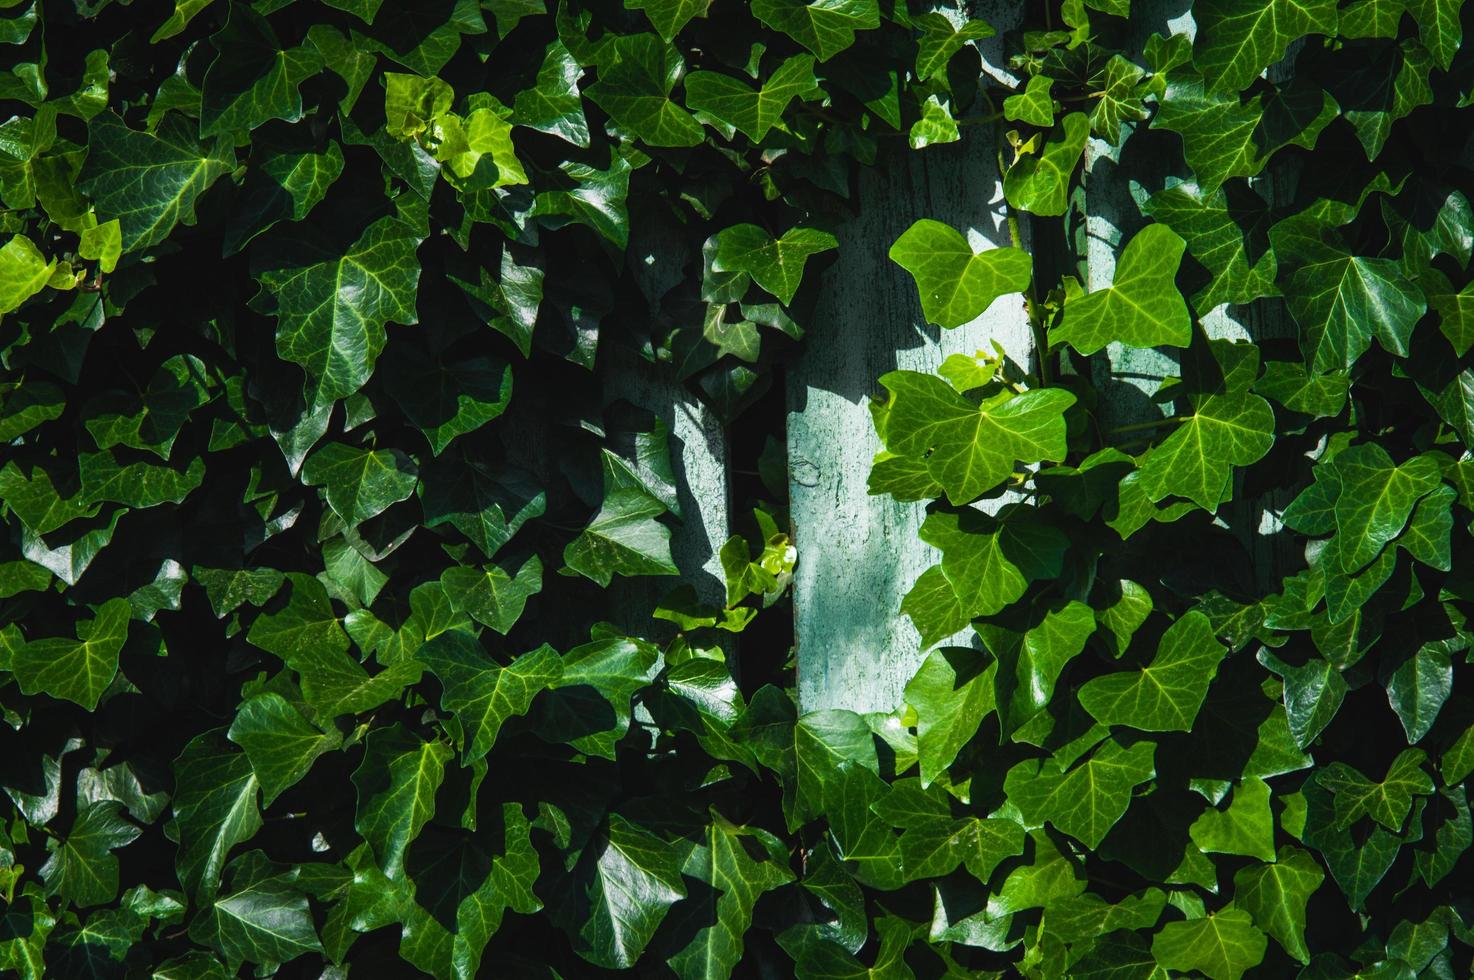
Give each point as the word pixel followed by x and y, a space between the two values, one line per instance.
pixel 1165 695
pixel 590 704
pixel 214 805
pixel 1384 88
pixel 624 538
pixel 150 422
pixel 1222 946
pixel 77 670
pixel 635 90
pixel 149 182
pixel 448 400
pixel 1118 99
pixel 1220 135
pixel 331 308
pixel 1313 694
pixel 265 920
pixel 990 562
pixel 306 629
pixel 1375 499
pixel 951 694
pixel 933 843
pixel 360 483
pixel 1033 105
pixel 279 742
pixel 636 878
pixel 957 284
pixel 825 27
pixel 740 864
pixel 24 272
pixel 1227 235
pixel 82 868
pixel 553 105
pixel 1246 827
pixel 1030 663
pixel 1237 39
pixel 1085 801
pixel 396 784
pixel 1341 300
pixel 970 448
pixel 1388 802
pixel 1040 184
pixel 483 694
pixel 490 595
pixel 1141 307
pixel 1419 686
pixel 776 265
pixel 283 185
pixel 669 16
pixel 1197 460
pixel 487 507
pixel 253 79
pixel 1276 895
pixel 1440 28
pixel 751 111
pixel 941 39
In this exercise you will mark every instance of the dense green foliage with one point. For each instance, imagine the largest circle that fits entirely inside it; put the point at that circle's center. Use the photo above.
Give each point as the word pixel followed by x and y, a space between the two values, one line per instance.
pixel 317 324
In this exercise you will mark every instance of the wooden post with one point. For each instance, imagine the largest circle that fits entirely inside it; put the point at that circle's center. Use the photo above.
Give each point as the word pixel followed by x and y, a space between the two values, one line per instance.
pixel 858 554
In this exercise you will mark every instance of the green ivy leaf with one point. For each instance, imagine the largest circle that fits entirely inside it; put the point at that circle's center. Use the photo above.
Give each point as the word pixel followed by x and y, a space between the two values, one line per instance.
pixel 1276 895
pixel 1197 460
pixel 941 39
pixel 396 783
pixel 934 843
pixel 1033 105
pixel 253 78
pixel 1242 266
pixel 331 308
pixel 957 284
pixel 1165 695
pixel 776 265
pixel 24 272
pixel 553 104
pixel 215 809
pixel 636 878
pixel 740 864
pixel 1388 802
pixel 283 185
pixel 1141 307
pixel 1040 184
pixel 77 670
pixel 635 90
pixel 970 448
pixel 280 744
pixel 149 182
pixel 989 562
pixel 951 694
pixel 490 595
pixel 1245 827
pixel 751 111
pixel 1237 39
pixel 264 920
pixel 1222 946
pixel 825 27
pixel 82 868
pixel 1087 800
pixel 624 538
pixel 483 694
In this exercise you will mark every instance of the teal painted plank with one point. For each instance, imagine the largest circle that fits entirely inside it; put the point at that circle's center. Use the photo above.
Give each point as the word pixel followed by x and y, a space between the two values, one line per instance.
pixel 858 554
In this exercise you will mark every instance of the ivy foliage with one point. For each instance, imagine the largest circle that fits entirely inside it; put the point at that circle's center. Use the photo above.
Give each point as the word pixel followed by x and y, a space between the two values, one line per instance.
pixel 322 329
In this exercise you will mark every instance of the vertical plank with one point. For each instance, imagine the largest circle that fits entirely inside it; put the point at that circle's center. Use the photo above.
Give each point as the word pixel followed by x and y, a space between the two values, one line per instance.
pixel 858 554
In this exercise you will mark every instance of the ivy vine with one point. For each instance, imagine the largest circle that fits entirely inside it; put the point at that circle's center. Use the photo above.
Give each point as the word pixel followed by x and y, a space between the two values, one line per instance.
pixel 337 346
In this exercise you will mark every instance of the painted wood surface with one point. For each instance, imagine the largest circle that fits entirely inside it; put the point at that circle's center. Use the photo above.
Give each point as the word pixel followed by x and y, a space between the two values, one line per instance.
pixel 859 554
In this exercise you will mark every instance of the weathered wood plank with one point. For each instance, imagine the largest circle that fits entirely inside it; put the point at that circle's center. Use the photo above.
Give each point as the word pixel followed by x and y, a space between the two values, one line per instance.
pixel 858 554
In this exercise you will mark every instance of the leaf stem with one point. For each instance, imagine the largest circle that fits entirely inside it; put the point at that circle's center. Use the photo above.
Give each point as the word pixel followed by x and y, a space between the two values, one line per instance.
pixel 1031 304
pixel 1145 426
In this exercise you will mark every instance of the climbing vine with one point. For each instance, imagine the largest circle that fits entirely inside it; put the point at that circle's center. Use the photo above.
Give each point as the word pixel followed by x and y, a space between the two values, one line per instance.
pixel 340 624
